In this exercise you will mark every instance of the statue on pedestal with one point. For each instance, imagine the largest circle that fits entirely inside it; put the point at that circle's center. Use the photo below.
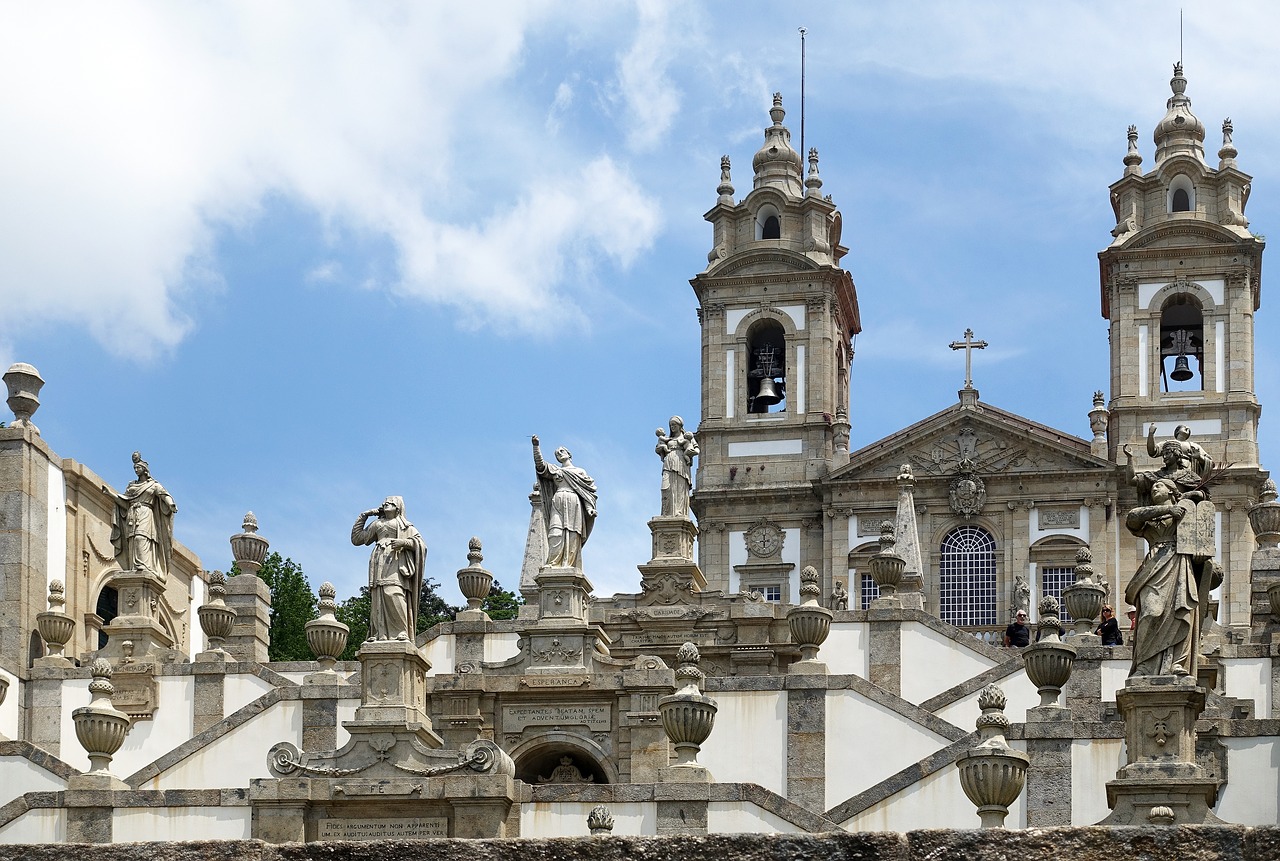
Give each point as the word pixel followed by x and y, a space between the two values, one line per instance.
pixel 677 451
pixel 395 569
pixel 1173 583
pixel 142 529
pixel 568 497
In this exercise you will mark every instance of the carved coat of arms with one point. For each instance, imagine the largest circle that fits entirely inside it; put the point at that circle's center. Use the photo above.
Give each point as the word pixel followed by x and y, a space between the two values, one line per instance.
pixel 967 492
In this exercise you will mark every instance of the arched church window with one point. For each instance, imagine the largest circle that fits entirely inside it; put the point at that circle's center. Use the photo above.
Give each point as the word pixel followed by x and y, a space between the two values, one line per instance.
pixel 1182 194
pixel 768 224
pixel 767 368
pixel 1181 342
pixel 967 577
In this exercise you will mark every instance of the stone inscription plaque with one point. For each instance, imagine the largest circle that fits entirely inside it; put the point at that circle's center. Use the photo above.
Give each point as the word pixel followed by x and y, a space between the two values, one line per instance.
pixel 412 828
pixel 518 717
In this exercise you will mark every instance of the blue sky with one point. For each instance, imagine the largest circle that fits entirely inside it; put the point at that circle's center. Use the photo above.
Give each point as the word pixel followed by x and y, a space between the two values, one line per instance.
pixel 307 255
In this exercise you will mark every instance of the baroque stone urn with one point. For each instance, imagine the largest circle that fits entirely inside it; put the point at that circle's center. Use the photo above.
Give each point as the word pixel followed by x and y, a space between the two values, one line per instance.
pixel 24 383
pixel 687 716
pixel 992 774
pixel 216 618
pixel 1048 660
pixel 1264 517
pixel 1084 599
pixel 326 636
pixel 473 581
pixel 100 727
pixel 809 622
pixel 249 549
pixel 55 626
pixel 887 566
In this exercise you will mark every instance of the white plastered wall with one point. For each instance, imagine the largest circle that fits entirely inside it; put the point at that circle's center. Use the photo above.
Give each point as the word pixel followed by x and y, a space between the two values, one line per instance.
pixel 75 693
pixel 501 647
pixel 57 534
pixel 346 711
pixel 439 652
pixel 1113 675
pixel 37 826
pixel 852 765
pixel 141 824
pixel 569 819
pixel 1019 691
pixel 21 775
pixel 1253 772
pixel 148 740
pixel 944 800
pixel 932 663
pixel 743 817
pixel 9 708
pixel 239 756
pixel 845 650
pixel 1249 679
pixel 754 721
pixel 240 689
pixel 1094 761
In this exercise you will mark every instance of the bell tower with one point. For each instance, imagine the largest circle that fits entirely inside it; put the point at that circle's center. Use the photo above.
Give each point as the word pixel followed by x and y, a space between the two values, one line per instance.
pixel 1180 284
pixel 777 313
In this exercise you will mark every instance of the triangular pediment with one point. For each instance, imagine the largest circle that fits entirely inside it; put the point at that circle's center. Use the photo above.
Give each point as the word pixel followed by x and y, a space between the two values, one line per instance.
pixel 991 440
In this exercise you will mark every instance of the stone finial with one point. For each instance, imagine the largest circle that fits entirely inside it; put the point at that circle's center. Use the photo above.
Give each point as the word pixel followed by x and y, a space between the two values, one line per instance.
pixel 992 774
pixel 1049 660
pixel 1264 516
pixel 725 188
pixel 326 636
pixel 1099 399
pixel 688 658
pixel 100 727
pixel 887 566
pixel 600 821
pixel 1084 598
pixel 57 595
pixel 813 182
pixel 24 383
pixel 1084 565
pixel 216 618
pixel 809 623
pixel 776 113
pixel 1098 424
pixel 56 627
pixel 687 716
pixel 474 581
pixel 1227 155
pixel 249 549
pixel 1132 158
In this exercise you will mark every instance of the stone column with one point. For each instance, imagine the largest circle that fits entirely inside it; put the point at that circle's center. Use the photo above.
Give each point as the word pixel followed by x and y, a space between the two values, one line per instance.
pixel 884 648
pixel 44 709
pixel 320 713
pixel 251 633
pixel 806 741
pixel 208 706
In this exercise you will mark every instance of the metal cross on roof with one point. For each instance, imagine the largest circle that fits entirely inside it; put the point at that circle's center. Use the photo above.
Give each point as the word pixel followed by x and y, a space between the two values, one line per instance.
pixel 968 345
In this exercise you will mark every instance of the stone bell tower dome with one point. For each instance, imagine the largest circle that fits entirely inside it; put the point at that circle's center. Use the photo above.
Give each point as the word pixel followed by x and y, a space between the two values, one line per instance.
pixel 777 313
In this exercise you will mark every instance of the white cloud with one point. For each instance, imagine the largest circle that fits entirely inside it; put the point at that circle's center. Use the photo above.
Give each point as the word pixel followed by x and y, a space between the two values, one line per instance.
pixel 134 132
pixel 650 98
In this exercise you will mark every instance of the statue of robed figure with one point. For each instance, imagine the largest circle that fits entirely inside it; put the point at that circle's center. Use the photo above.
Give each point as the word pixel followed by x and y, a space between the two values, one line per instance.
pixel 395 569
pixel 568 507
pixel 142 526
pixel 1171 587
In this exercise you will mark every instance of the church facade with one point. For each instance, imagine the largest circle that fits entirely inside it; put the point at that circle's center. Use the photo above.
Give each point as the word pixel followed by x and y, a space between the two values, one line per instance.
pixel 839 614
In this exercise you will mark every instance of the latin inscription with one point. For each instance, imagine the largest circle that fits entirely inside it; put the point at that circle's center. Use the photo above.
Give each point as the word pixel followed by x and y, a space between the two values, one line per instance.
pixel 519 717
pixel 419 828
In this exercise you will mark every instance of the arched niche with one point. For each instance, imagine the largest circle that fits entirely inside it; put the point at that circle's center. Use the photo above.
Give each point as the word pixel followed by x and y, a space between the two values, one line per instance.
pixel 1182 343
pixel 540 756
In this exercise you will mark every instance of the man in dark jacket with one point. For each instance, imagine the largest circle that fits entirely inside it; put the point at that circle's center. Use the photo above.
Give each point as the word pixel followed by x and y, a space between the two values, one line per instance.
pixel 1018 634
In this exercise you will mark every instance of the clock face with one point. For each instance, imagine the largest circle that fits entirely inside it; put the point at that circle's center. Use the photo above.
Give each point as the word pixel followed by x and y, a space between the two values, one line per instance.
pixel 765 540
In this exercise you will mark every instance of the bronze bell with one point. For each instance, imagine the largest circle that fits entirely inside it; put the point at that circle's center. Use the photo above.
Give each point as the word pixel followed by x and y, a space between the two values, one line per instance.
pixel 768 395
pixel 1181 369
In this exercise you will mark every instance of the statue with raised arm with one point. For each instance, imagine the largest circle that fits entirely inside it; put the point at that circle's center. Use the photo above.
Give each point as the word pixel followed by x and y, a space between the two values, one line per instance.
pixel 395 569
pixel 142 528
pixel 1174 579
pixel 1191 456
pixel 677 451
pixel 568 507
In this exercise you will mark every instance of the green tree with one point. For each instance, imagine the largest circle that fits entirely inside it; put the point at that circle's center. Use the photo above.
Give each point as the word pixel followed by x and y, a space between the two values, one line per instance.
pixel 354 613
pixel 293 605
pixel 501 603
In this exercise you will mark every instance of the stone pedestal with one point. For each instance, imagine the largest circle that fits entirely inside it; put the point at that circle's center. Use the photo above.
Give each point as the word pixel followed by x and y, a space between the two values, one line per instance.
pixel 250 636
pixel 139 596
pixel 1161 782
pixel 672 539
pixel 395 691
